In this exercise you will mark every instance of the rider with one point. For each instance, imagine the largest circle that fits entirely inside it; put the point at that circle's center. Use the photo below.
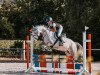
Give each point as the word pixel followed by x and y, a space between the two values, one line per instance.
pixel 55 27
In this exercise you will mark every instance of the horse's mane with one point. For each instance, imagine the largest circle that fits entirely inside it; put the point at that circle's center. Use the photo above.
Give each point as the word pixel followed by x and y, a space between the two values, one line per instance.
pixel 41 25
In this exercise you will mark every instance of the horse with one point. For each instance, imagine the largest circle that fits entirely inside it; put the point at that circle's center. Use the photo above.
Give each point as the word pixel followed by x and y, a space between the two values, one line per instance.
pixel 69 46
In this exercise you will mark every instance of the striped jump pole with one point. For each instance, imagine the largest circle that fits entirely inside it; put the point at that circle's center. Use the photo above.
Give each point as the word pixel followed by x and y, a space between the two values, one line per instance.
pixel 30 54
pixel 85 40
pixel 27 51
pixel 89 52
pixel 42 64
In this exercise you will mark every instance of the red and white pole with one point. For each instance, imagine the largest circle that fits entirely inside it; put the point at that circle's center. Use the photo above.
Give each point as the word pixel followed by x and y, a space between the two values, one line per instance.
pixel 27 51
pixel 89 52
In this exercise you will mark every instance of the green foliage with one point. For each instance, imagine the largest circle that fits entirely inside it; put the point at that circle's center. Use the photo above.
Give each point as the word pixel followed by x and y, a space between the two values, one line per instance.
pixel 6 29
pixel 17 44
pixel 10 53
pixel 10 44
pixel 72 14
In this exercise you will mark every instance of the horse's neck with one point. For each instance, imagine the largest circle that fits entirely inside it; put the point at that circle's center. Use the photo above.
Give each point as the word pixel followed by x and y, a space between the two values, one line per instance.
pixel 49 36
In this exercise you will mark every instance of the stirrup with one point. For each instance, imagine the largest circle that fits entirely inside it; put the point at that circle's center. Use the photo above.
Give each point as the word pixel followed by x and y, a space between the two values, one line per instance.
pixel 51 46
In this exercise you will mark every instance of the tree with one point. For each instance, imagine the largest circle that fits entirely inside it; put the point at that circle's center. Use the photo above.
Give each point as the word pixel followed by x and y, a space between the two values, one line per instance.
pixel 72 14
pixel 6 29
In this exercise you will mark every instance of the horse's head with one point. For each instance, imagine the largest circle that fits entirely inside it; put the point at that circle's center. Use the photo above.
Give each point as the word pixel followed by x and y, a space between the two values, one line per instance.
pixel 35 33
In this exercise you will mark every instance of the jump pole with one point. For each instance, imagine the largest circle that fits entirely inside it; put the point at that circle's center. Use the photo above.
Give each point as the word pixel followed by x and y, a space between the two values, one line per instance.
pixel 31 54
pixel 85 40
pixel 27 51
pixel 89 53
pixel 28 46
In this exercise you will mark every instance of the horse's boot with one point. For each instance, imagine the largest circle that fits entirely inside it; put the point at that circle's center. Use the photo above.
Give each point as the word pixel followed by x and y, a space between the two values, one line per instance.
pixel 51 46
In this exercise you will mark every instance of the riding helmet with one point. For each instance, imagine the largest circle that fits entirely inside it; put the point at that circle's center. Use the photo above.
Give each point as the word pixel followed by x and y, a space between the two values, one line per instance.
pixel 48 18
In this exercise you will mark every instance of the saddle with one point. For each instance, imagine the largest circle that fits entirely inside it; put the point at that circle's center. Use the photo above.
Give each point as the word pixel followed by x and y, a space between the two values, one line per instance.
pixel 60 40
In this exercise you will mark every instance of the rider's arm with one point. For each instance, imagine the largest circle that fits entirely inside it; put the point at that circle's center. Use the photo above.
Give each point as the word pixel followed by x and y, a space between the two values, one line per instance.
pixel 54 27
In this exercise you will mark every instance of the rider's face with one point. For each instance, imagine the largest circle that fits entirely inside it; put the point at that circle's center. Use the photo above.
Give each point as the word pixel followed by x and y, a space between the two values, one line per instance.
pixel 49 22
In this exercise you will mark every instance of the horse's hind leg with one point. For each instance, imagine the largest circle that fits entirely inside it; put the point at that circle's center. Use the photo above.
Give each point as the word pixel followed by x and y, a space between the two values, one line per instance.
pixel 55 58
pixel 68 53
pixel 79 51
pixel 73 51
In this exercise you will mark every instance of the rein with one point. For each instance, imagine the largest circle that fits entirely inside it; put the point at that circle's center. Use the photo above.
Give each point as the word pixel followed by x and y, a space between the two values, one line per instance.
pixel 35 36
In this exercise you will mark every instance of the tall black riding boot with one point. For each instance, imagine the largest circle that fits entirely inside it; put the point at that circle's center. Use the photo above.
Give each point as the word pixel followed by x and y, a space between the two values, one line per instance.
pixel 60 41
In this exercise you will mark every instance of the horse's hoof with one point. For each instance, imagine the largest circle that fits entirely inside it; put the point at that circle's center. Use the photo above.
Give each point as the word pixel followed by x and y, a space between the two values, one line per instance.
pixel 51 46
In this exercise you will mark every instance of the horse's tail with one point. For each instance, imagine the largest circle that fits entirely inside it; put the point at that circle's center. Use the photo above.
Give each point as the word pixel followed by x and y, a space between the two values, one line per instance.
pixel 79 48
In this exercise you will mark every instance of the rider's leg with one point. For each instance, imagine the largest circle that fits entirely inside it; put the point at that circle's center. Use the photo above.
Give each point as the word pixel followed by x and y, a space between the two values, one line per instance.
pixel 61 42
pixel 59 35
pixel 59 39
